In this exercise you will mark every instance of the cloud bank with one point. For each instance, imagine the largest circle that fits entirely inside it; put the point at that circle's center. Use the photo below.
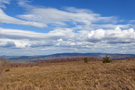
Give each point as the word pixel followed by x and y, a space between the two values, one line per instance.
pixel 66 38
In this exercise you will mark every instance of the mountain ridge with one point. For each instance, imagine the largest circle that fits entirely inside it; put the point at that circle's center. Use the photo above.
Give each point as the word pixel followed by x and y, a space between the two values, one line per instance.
pixel 66 55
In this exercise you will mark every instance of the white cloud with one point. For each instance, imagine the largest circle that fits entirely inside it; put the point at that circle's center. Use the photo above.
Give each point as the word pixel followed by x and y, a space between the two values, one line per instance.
pixel 11 20
pixel 131 21
pixel 70 17
pixel 116 36
pixel 74 16
pixel 67 38
pixel 12 43
pixel 2 2
pixel 20 34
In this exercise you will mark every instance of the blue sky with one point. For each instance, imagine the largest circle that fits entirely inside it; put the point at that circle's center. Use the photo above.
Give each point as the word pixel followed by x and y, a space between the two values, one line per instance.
pixel 40 27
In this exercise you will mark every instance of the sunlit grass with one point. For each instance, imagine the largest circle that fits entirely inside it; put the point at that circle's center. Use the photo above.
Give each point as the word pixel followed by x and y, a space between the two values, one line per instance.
pixel 95 75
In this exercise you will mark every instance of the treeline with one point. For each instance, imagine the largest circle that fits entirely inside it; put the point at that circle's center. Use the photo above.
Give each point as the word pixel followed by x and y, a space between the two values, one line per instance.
pixel 4 63
pixel 70 60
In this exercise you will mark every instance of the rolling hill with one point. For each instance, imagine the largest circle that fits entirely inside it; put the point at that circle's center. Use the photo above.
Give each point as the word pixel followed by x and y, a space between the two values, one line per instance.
pixel 66 55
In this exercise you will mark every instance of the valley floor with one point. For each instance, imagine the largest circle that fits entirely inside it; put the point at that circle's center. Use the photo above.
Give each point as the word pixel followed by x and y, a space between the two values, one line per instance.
pixel 95 75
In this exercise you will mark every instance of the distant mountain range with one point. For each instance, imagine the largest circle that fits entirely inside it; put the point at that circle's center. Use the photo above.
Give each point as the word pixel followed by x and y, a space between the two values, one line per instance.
pixel 66 55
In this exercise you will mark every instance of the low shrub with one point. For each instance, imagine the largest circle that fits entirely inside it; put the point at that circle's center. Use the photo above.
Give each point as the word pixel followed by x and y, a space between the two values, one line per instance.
pixel 86 60
pixel 7 70
pixel 106 59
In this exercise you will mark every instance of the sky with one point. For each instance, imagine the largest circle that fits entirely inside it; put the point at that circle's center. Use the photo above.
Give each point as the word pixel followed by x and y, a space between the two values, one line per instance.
pixel 43 27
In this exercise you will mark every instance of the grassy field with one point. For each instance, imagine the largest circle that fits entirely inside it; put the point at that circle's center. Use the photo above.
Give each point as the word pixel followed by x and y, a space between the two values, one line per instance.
pixel 77 75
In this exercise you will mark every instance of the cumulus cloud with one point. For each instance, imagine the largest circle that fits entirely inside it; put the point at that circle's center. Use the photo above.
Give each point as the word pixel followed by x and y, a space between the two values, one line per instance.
pixel 13 43
pixel 113 36
pixel 66 38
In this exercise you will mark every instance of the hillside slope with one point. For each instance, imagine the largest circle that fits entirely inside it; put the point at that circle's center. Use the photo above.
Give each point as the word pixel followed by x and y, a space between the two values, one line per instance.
pixel 95 75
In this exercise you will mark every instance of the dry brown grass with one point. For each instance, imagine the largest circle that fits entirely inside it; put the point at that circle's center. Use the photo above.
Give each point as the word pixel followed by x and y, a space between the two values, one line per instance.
pixel 95 75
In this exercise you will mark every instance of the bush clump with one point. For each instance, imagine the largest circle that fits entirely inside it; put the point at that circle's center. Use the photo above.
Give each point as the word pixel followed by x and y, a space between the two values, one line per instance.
pixel 86 60
pixel 106 59
pixel 7 70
